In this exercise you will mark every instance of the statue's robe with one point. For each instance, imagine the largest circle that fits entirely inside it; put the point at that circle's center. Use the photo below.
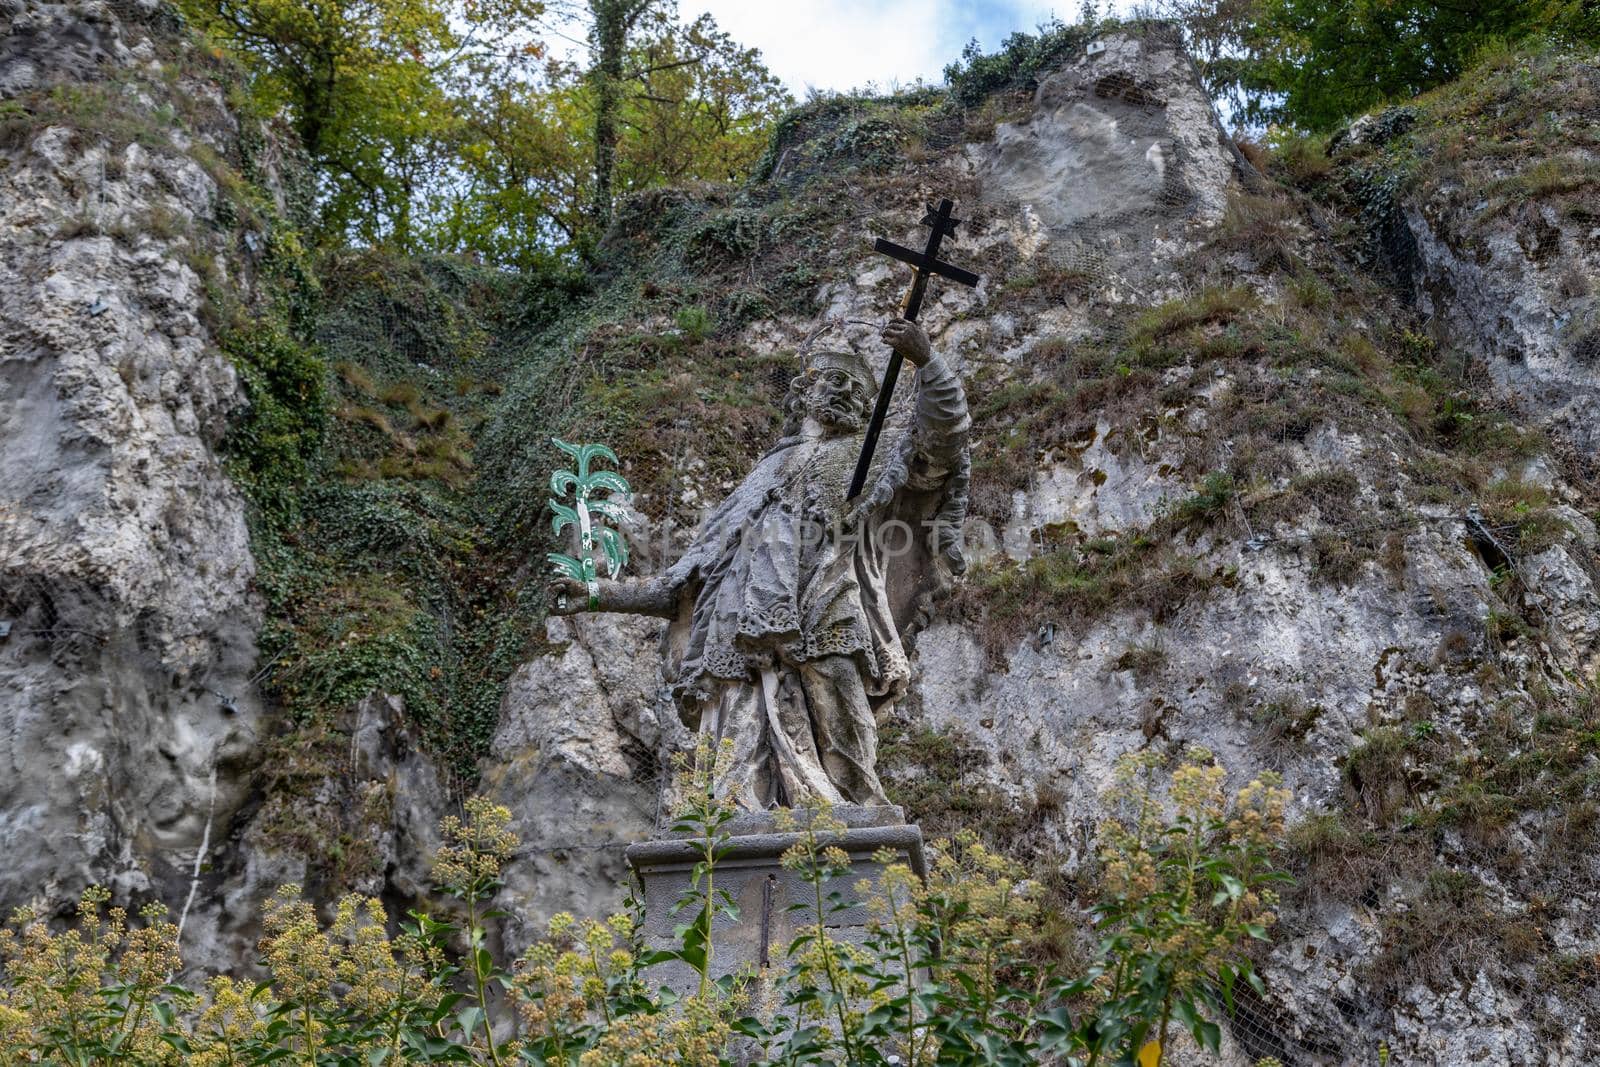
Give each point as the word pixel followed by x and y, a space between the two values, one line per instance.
pixel 791 622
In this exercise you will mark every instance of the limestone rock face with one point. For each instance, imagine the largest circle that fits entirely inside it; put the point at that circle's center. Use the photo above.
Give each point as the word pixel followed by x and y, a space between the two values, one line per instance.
pixel 125 565
pixel 1108 185
pixel 46 43
pixel 1118 156
pixel 574 760
pixel 1523 298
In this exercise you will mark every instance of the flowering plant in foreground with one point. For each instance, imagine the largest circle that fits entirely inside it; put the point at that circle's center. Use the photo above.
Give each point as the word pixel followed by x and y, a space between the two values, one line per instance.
pixel 943 975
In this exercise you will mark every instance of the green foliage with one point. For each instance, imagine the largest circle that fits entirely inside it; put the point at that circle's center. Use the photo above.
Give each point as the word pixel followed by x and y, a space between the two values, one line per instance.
pixel 834 132
pixel 694 323
pixel 443 124
pixel 367 85
pixel 938 978
pixel 1181 896
pixel 374 555
pixel 276 441
pixel 695 107
pixel 1074 582
pixel 1022 58
pixel 1314 65
pixel 1216 491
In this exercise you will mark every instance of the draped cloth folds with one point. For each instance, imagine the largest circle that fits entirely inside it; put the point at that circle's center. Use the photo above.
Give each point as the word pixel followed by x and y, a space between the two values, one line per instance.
pixel 787 642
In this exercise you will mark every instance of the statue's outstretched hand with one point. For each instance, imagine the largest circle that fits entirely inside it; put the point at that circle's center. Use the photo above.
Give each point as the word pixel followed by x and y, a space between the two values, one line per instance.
pixel 908 339
pixel 568 596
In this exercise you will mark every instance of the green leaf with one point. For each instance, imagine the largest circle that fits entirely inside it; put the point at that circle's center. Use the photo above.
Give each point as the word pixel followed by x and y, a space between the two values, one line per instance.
pixel 1228 977
pixel 567 565
pixel 608 480
pixel 616 550
pixel 564 516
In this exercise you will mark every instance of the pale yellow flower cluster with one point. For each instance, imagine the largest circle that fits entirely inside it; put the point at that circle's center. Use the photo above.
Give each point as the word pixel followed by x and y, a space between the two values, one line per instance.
pixel 696 776
pixel 1198 786
pixel 1259 811
pixel 367 965
pixel 813 851
pixel 1164 871
pixel 353 966
pixel 474 851
pixel 56 982
pixel 564 981
pixel 303 961
pixel 581 969
pixel 994 905
pixel 826 964
pixel 892 899
pixel 229 1021
pixel 695 1038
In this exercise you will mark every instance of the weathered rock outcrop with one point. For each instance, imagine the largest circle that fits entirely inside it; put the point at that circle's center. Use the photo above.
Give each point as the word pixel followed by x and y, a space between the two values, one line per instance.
pixel 125 564
pixel 1486 189
pixel 574 760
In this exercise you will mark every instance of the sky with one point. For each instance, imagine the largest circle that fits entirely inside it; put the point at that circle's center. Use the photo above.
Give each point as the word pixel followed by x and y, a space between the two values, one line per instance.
pixel 841 44
pixel 844 44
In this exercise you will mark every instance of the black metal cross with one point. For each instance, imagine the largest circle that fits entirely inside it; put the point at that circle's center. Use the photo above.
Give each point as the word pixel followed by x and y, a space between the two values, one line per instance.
pixel 927 264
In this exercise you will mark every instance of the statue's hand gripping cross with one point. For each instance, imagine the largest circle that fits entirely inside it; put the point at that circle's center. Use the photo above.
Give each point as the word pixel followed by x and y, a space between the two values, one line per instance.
pixel 927 264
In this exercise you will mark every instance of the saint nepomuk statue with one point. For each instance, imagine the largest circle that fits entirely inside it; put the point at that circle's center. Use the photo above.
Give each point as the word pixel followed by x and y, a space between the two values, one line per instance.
pixel 790 611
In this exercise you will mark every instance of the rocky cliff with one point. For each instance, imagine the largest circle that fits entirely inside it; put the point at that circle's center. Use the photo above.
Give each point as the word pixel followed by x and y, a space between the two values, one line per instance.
pixel 125 562
pixel 1293 465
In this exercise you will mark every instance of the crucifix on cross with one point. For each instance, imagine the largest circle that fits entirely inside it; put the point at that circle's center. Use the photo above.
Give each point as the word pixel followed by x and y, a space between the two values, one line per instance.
pixel 927 264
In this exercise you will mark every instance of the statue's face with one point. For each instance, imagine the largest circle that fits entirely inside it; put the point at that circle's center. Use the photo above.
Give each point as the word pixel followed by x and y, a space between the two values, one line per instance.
pixel 837 400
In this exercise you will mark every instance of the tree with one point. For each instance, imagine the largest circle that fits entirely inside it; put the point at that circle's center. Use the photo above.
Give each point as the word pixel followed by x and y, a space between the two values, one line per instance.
pixel 540 167
pixel 1314 64
pixel 363 83
pixel 701 108
pixel 614 22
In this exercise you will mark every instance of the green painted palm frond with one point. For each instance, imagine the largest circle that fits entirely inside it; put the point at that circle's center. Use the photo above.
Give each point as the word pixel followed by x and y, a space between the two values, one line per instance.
pixel 611 509
pixel 568 566
pixel 606 480
pixel 585 454
pixel 562 481
pixel 602 495
pixel 589 453
pixel 616 550
pixel 564 516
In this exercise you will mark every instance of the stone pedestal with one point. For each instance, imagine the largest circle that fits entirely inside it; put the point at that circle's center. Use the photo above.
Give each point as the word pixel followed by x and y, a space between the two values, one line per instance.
pixel 754 877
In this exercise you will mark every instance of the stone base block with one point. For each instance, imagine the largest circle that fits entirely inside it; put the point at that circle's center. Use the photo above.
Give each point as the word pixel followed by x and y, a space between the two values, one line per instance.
pixel 753 875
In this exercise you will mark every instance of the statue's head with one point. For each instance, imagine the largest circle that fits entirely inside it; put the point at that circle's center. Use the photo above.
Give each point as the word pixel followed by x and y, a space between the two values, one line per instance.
pixel 836 389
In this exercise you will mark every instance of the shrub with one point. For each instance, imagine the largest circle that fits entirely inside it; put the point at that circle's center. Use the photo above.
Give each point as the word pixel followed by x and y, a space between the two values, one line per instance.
pixel 940 976
pixel 1016 66
pixel 694 323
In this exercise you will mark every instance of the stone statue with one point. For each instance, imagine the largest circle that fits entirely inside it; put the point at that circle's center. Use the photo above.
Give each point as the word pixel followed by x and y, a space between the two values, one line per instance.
pixel 790 609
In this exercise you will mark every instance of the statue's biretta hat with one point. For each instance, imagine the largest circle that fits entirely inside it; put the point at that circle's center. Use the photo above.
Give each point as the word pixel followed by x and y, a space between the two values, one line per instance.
pixel 852 363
